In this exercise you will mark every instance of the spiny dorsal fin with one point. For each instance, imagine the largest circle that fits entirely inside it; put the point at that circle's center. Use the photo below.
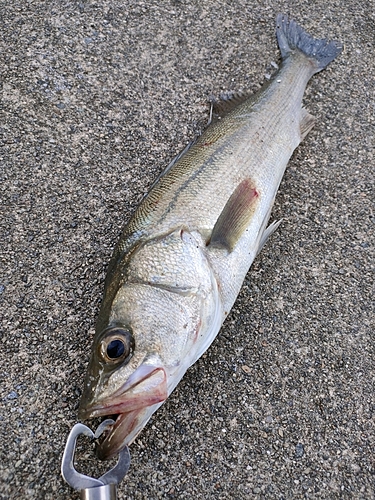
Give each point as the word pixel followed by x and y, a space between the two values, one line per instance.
pixel 235 217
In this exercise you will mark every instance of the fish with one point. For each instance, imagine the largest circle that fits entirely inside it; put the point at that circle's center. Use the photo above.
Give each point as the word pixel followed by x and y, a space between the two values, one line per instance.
pixel 181 259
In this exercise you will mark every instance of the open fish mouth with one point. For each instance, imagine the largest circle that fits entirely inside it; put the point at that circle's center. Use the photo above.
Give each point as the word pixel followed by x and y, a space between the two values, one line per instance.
pixel 130 406
pixel 120 434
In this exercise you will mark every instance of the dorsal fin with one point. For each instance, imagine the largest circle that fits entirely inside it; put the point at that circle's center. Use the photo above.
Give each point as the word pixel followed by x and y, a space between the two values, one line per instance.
pixel 306 123
pixel 225 104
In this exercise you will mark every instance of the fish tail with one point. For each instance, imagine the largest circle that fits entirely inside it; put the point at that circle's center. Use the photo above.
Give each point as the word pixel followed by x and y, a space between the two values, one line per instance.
pixel 291 37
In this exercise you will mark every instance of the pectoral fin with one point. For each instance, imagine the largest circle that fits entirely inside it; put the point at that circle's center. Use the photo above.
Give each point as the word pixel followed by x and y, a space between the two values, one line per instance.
pixel 236 216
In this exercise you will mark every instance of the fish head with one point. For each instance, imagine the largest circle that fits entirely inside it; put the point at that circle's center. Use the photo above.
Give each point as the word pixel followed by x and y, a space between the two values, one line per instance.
pixel 124 383
pixel 136 361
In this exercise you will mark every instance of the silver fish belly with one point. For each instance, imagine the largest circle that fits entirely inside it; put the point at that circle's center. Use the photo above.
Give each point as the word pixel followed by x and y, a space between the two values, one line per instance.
pixel 184 254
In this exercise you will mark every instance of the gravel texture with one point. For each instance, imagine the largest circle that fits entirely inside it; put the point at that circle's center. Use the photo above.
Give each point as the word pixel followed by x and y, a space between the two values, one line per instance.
pixel 97 97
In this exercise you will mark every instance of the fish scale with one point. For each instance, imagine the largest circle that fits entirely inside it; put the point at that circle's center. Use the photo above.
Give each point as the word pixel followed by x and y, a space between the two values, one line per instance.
pixel 240 148
pixel 181 259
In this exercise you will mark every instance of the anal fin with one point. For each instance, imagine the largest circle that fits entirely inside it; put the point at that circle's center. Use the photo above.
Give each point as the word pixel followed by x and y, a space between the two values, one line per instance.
pixel 236 216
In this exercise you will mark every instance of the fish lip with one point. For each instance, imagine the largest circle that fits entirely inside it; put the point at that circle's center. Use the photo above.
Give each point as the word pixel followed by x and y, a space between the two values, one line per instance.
pixel 145 387
pixel 131 404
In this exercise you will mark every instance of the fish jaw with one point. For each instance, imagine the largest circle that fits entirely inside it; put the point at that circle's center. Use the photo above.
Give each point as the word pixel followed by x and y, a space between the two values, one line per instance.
pixel 133 403
pixel 124 431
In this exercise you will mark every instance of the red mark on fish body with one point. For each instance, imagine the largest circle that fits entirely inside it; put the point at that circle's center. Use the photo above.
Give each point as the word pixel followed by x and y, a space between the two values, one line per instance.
pixel 197 330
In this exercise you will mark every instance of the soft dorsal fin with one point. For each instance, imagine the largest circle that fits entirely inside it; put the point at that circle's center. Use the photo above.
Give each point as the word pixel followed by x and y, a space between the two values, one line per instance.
pixel 235 217
pixel 307 123
pixel 225 104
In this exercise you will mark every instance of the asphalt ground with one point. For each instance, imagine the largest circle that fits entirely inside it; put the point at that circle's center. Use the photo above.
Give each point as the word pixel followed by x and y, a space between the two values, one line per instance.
pixel 97 97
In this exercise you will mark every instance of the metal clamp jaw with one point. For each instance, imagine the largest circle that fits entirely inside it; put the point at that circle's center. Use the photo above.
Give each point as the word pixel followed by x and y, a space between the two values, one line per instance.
pixel 104 488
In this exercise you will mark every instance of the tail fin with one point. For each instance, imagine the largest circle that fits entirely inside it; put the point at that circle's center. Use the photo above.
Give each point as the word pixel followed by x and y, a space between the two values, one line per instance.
pixel 291 36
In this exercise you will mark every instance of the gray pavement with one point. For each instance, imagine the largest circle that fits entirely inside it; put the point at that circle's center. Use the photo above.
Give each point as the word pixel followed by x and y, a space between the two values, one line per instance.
pixel 97 97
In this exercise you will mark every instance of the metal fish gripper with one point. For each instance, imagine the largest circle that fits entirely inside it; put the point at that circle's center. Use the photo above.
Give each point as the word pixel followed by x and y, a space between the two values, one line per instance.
pixel 103 488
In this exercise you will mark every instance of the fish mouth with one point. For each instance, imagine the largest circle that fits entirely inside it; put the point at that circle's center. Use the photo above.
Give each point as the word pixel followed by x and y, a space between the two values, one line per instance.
pixel 130 406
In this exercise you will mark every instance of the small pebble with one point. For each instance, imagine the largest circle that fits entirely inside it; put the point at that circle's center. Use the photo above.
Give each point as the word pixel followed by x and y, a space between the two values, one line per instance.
pixel 300 451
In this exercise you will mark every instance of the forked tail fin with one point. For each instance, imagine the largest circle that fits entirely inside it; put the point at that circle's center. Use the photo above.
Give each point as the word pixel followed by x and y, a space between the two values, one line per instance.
pixel 291 37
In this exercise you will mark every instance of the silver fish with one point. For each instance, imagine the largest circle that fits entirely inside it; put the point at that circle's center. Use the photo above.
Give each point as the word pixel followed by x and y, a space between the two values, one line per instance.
pixel 181 260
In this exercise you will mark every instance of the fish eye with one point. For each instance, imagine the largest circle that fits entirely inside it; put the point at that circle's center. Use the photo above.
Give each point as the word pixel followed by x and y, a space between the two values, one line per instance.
pixel 117 345
pixel 115 349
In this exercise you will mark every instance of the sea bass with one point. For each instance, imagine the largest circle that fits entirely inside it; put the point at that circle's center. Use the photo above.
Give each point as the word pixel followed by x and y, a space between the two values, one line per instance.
pixel 181 260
